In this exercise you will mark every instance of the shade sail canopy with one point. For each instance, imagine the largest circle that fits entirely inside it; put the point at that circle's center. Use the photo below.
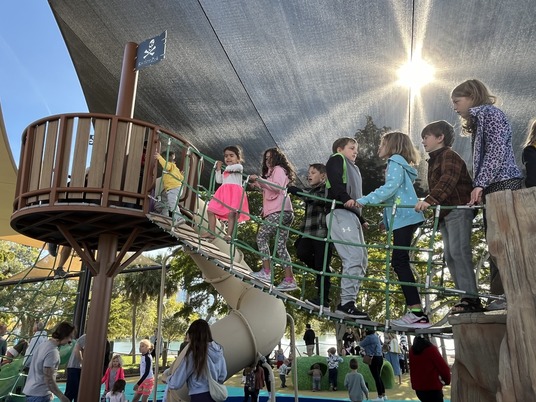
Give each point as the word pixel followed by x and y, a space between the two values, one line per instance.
pixel 298 74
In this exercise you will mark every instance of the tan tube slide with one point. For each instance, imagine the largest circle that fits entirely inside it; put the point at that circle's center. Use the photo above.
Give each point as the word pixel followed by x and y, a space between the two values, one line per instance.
pixel 256 324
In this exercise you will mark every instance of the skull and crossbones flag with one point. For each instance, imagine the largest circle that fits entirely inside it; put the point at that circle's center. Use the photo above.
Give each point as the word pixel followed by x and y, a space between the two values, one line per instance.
pixel 151 51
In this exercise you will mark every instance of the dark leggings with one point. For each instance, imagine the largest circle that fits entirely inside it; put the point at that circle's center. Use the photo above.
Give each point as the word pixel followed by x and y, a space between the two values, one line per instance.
pixel 312 253
pixel 430 396
pixel 400 262
pixel 375 369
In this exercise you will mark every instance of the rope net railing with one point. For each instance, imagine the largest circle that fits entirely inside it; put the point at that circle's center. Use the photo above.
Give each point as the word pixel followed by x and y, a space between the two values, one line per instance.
pixel 380 288
pixel 55 300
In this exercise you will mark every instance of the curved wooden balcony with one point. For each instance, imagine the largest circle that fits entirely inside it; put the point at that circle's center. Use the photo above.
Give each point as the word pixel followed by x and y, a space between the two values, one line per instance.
pixel 83 175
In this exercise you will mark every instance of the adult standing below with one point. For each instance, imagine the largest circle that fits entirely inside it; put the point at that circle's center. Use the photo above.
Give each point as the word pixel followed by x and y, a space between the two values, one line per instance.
pixel 39 336
pixel 393 354
pixel 429 371
pixel 202 353
pixel 309 337
pixel 373 347
pixel 74 369
pixel 348 340
pixel 41 381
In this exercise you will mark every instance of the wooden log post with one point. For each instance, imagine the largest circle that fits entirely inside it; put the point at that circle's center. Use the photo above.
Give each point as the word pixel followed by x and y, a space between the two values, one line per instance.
pixel 512 241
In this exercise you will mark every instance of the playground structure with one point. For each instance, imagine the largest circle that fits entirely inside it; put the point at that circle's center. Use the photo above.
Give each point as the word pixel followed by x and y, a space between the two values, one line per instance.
pixel 85 181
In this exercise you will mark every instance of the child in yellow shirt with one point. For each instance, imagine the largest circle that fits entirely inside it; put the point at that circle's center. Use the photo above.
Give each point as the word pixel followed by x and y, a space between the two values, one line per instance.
pixel 172 178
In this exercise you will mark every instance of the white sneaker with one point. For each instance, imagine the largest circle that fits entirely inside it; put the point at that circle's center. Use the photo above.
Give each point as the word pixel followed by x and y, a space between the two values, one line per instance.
pixel 262 275
pixel 286 286
pixel 179 221
pixel 410 320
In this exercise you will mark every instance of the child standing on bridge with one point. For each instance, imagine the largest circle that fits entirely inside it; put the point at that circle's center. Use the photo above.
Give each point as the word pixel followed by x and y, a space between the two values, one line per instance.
pixel 277 212
pixel 450 184
pixel 230 201
pixel 312 251
pixel 398 189
pixel 172 179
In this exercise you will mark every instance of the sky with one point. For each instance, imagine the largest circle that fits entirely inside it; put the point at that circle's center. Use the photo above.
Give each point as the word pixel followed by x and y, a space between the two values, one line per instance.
pixel 37 76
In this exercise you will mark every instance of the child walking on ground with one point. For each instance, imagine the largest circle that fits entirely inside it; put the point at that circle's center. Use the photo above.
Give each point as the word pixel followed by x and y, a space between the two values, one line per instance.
pixel 345 221
pixel 450 184
pixel 316 375
pixel 117 394
pixel 230 201
pixel 144 386
pixel 398 189
pixel 529 156
pixel 494 165
pixel 283 371
pixel 172 179
pixel 113 373
pixel 355 383
pixel 333 368
pixel 277 212
pixel 249 385
pixel 311 251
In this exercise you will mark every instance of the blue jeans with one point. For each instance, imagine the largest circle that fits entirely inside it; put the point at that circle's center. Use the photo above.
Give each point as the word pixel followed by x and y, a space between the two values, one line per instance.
pixel 456 230
pixel 45 398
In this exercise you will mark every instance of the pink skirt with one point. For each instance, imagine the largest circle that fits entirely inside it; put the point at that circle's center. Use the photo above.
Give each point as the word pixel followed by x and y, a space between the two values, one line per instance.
pixel 229 197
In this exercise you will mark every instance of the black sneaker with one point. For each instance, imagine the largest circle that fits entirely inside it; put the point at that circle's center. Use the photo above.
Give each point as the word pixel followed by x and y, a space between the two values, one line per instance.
pixel 59 273
pixel 350 310
pixel 315 301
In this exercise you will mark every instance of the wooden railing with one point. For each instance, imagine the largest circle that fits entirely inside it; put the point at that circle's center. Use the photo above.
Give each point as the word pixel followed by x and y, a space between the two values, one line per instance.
pixel 98 159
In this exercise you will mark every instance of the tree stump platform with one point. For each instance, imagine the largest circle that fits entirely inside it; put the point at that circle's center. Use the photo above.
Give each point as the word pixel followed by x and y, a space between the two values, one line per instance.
pixel 477 342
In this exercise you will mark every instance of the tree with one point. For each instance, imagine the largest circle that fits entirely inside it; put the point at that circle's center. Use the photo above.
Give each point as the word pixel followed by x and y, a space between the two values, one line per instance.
pixel 139 287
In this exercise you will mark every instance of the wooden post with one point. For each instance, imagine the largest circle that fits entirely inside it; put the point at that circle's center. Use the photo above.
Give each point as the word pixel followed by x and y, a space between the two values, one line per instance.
pixel 512 241
pixel 97 324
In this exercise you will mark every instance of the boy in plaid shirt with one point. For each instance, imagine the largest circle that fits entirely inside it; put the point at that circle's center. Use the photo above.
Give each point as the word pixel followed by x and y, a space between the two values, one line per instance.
pixel 450 184
pixel 313 251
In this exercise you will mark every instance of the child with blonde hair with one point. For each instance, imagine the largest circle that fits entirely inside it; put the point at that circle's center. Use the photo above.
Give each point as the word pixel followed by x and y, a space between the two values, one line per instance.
pixel 398 189
pixel 113 373
pixel 145 384
pixel 494 164
pixel 333 361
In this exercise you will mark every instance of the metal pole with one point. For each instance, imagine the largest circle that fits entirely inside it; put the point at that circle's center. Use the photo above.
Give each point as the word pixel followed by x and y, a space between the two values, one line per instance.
pixel 158 352
pixel 293 350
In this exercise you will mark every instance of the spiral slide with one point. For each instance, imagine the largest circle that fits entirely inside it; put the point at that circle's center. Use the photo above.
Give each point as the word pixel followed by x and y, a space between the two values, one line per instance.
pixel 257 321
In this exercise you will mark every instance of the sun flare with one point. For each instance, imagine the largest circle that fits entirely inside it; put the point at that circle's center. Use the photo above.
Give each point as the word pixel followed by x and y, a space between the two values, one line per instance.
pixel 415 74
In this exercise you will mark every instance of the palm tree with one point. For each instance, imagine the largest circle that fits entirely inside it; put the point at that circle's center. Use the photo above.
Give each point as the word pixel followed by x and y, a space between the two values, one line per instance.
pixel 141 286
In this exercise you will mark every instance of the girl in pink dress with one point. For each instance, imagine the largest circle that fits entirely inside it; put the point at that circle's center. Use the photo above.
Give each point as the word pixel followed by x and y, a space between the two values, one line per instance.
pixel 230 201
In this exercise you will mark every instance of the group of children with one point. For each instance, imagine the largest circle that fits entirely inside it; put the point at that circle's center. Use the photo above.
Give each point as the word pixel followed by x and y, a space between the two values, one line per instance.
pixel 114 377
pixel 450 185
pixel 353 381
